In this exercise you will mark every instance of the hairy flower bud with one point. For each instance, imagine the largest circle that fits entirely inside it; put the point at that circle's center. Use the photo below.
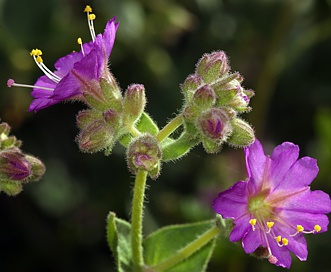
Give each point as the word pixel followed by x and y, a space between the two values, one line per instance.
pixel 204 97
pixel 86 117
pixel 242 133
pixel 37 168
pixel 144 154
pixel 213 66
pixel 14 166
pixel 4 130
pixel 113 119
pixel 95 137
pixel 215 124
pixel 191 84
pixel 134 103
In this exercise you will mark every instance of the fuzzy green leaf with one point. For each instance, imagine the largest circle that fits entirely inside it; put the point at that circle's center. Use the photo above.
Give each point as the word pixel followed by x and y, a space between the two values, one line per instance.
pixel 119 241
pixel 161 246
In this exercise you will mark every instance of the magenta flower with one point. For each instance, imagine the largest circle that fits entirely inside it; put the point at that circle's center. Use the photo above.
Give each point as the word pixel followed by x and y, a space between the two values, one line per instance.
pixel 76 72
pixel 275 207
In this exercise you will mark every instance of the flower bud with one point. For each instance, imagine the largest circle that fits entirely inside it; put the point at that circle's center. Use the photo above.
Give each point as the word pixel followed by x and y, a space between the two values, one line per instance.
pixel 144 154
pixel 86 117
pixel 191 84
pixel 134 103
pixel 4 130
pixel 213 66
pixel 113 119
pixel 14 166
pixel 215 125
pixel 242 133
pixel 204 97
pixel 37 168
pixel 95 137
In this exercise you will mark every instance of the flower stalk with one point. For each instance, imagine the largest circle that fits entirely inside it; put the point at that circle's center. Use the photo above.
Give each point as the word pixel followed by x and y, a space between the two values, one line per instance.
pixel 169 128
pixel 136 220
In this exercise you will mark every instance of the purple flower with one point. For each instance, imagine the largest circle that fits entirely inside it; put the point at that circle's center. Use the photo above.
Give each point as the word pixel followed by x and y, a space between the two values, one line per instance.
pixel 76 72
pixel 275 207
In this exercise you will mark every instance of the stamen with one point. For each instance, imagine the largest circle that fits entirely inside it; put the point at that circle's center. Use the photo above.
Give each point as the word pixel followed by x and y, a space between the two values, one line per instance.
pixel 252 222
pixel 36 54
pixel 285 241
pixel 11 82
pixel 90 18
pixel 270 225
pixel 88 9
pixel 80 42
pixel 317 228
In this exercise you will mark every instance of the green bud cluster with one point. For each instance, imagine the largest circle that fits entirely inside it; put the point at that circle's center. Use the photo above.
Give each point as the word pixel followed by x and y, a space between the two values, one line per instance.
pixel 214 97
pixel 16 168
pixel 110 115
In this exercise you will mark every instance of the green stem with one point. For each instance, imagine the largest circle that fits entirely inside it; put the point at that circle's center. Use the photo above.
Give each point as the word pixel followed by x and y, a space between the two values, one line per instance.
pixel 187 251
pixel 169 128
pixel 136 220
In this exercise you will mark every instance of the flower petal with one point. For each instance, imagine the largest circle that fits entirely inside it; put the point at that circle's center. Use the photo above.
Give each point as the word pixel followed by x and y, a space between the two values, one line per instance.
pixel 232 203
pixel 301 174
pixel 283 157
pixel 281 253
pixel 109 36
pixel 252 240
pixel 255 164
pixel 241 228
pixel 307 201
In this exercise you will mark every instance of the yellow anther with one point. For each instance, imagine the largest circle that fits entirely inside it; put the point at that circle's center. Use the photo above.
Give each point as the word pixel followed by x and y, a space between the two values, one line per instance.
pixel 91 17
pixel 36 52
pixel 317 228
pixel 300 228
pixel 79 41
pixel 252 221
pixel 278 238
pixel 284 241
pixel 88 9
pixel 270 224
pixel 39 59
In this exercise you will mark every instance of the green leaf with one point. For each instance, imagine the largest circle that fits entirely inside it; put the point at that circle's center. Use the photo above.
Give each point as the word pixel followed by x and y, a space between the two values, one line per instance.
pixel 181 247
pixel 174 149
pixel 119 241
pixel 145 124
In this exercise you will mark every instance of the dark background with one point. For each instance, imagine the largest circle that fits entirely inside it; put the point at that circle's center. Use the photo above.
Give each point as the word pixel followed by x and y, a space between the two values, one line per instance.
pixel 281 47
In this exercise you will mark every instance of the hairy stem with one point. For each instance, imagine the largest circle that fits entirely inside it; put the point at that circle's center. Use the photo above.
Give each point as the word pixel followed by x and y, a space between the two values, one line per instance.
pixel 136 220
pixel 169 128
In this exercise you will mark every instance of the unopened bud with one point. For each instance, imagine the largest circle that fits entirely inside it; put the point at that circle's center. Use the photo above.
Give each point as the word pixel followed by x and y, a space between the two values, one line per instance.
pixel 37 168
pixel 144 154
pixel 134 103
pixel 86 117
pixel 242 133
pixel 4 130
pixel 95 137
pixel 204 97
pixel 14 166
pixel 215 125
pixel 213 66
pixel 191 84
pixel 112 118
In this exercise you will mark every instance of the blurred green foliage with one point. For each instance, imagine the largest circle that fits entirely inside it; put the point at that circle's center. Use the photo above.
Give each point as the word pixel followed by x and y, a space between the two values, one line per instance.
pixel 281 47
